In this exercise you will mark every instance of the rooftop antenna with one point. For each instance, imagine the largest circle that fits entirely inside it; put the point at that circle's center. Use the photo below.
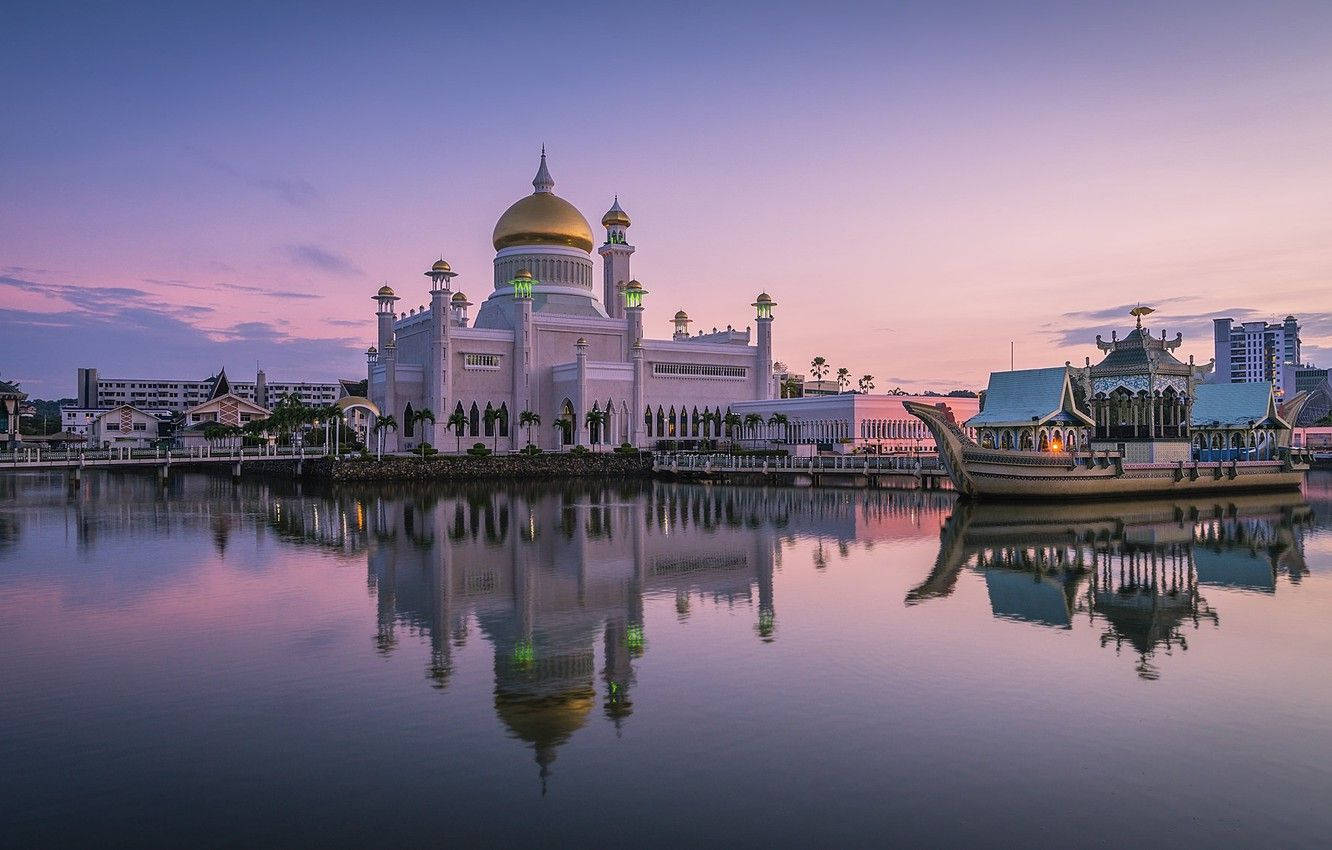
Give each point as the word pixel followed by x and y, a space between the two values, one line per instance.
pixel 1010 355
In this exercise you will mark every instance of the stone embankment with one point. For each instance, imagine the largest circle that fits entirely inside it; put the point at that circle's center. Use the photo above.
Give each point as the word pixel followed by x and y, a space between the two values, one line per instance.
pixel 493 467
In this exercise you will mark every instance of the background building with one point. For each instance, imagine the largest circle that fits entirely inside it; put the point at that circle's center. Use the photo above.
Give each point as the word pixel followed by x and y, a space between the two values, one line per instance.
pixel 1257 351
pixel 171 397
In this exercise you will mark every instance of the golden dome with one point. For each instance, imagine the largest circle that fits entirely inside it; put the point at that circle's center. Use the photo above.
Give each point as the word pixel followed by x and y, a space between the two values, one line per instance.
pixel 633 284
pixel 441 266
pixel 615 215
pixel 385 292
pixel 523 274
pixel 681 315
pixel 764 298
pixel 542 219
pixel 459 297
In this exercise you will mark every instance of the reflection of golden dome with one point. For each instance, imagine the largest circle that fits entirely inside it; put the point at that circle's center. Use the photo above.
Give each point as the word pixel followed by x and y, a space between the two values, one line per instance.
pixel 542 219
pixel 545 720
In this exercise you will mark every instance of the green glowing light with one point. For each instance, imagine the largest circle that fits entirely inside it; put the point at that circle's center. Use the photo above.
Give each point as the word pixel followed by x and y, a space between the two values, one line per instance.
pixel 634 639
pixel 524 654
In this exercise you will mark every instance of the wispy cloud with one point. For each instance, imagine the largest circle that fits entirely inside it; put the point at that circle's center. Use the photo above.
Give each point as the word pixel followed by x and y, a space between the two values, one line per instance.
pixel 296 191
pixel 234 287
pixel 321 259
pixel 118 329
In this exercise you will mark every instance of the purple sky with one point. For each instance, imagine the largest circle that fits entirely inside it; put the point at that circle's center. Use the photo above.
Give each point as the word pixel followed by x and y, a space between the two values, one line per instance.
pixel 914 183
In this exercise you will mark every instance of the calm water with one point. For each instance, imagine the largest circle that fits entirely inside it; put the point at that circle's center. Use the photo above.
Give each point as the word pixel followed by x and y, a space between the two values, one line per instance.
pixel 261 664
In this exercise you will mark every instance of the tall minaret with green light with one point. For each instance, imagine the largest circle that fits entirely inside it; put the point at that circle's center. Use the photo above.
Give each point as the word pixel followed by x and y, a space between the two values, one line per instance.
pixel 615 259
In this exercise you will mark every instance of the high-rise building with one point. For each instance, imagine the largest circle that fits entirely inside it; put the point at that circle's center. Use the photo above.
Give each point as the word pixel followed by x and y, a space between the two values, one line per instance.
pixel 1257 351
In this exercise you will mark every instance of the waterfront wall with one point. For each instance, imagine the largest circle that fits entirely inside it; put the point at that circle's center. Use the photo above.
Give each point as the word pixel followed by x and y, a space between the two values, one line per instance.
pixel 493 467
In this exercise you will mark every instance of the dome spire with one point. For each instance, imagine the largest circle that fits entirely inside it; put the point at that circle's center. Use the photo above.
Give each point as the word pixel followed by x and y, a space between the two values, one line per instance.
pixel 543 182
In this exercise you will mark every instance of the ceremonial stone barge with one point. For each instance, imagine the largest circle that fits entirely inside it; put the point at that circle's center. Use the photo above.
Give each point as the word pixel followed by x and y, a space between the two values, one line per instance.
pixel 1140 422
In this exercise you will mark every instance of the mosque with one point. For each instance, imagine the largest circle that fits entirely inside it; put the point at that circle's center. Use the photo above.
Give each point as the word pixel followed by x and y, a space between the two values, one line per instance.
pixel 548 341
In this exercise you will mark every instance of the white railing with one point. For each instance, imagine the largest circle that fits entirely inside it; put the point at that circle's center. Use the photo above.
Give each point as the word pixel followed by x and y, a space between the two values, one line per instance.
pixel 36 456
pixel 849 464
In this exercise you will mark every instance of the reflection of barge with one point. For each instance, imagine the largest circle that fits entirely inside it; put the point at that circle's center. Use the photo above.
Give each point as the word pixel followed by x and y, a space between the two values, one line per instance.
pixel 1138 423
pixel 1135 567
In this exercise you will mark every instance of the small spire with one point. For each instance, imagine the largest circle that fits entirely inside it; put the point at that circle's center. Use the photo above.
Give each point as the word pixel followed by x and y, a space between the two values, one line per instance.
pixel 543 182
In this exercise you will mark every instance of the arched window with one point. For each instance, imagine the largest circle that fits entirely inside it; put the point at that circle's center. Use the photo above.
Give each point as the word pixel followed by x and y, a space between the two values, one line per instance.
pixel 488 420
pixel 566 422
pixel 647 421
pixel 474 421
pixel 1026 443
pixel 671 423
pixel 408 421
pixel 504 420
pixel 661 422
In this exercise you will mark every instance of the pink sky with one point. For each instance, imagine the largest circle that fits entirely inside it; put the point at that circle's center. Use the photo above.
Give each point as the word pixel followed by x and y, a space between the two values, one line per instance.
pixel 915 187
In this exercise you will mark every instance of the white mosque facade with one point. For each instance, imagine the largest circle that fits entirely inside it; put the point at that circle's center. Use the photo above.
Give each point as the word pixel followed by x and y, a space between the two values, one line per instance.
pixel 552 340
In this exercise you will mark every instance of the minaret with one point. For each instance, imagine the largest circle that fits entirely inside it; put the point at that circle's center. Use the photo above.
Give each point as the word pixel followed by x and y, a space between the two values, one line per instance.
pixel 522 351
pixel 614 257
pixel 580 393
pixel 633 313
pixel 384 313
pixel 635 412
pixel 437 373
pixel 763 356
pixel 388 355
pixel 681 321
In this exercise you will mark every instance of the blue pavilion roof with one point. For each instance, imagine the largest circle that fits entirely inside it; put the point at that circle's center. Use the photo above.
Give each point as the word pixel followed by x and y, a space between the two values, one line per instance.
pixel 1232 405
pixel 1020 396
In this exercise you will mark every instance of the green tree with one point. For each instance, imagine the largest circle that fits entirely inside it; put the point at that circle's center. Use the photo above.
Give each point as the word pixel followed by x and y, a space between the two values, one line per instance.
pixel 420 418
pixel 780 420
pixel 818 368
pixel 866 383
pixel 458 422
pixel 527 419
pixel 843 378
pixel 382 424
pixel 492 417
pixel 753 422
pixel 732 421
pixel 596 418
pixel 710 422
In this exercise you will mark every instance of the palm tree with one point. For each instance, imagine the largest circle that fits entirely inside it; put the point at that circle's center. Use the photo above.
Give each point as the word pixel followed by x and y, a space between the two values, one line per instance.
pixel 709 420
pixel 596 417
pixel 527 419
pixel 843 378
pixel 732 421
pixel 491 416
pixel 382 424
pixel 790 388
pixel 866 383
pixel 421 417
pixel 753 421
pixel 780 420
pixel 565 424
pixel 458 422
pixel 818 367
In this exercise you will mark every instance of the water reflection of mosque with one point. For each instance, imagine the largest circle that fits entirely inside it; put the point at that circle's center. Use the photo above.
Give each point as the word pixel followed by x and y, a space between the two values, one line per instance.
pixel 1133 568
pixel 545 574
